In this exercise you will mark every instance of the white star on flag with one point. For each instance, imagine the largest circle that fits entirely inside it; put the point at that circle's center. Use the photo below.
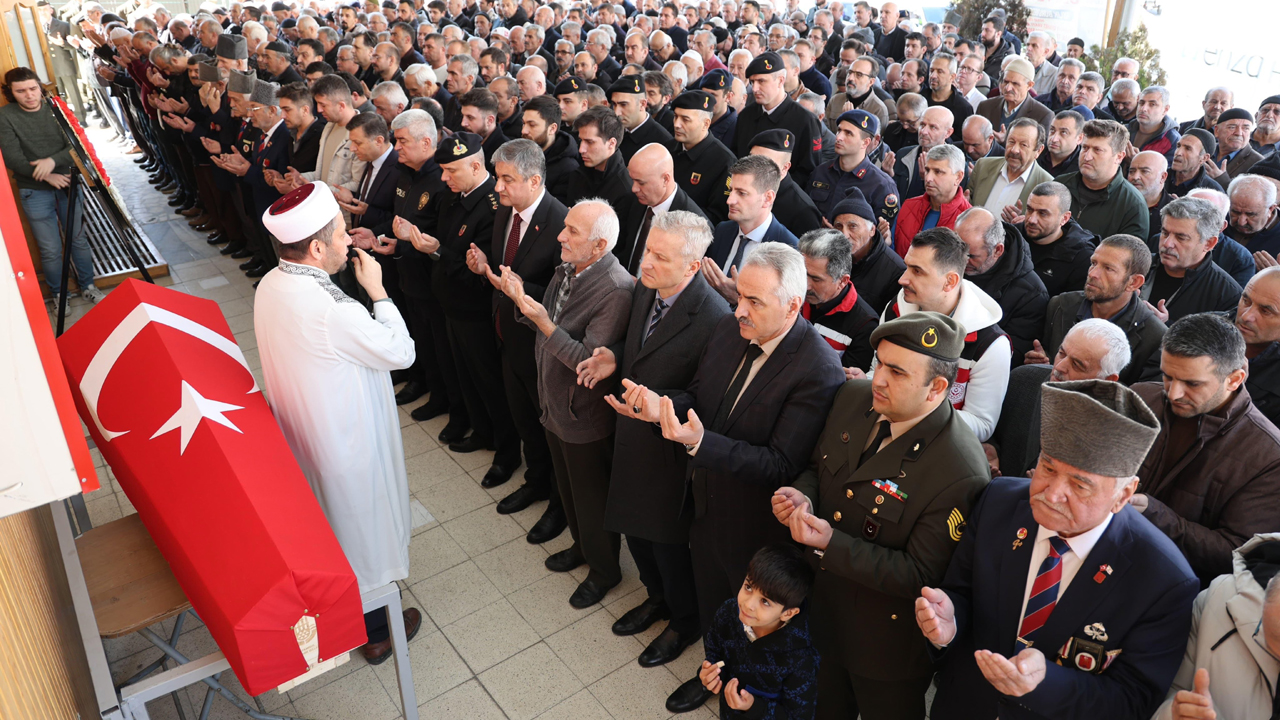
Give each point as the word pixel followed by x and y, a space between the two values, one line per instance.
pixel 195 407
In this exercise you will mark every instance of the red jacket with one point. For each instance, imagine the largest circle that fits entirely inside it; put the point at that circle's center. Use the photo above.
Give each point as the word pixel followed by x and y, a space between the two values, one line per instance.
pixel 911 218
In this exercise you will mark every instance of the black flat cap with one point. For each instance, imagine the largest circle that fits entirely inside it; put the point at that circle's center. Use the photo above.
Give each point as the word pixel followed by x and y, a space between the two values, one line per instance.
pixel 282 48
pixel 1206 138
pixel 1235 114
pixel 461 145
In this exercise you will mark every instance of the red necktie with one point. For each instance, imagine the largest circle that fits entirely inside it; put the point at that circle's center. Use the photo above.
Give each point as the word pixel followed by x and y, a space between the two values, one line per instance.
pixel 513 240
pixel 1044 591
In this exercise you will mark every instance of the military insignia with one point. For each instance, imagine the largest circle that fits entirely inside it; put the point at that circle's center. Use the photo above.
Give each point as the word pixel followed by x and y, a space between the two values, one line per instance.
pixel 694 178
pixel 728 182
pixel 786 142
pixel 864 121
pixel 1096 631
pixel 573 84
pixel 870 528
pixel 817 144
pixel 844 437
pixel 955 524
pixel 423 200
pixel 890 488
pixel 1090 657
pixel 462 231
pixel 767 66
pixel 1104 571
pixel 819 185
pixel 890 201
pixel 930 337
pixel 706 103
pixel 266 163
pixel 459 149
pixel 1022 534
pixel 862 172
pixel 399 192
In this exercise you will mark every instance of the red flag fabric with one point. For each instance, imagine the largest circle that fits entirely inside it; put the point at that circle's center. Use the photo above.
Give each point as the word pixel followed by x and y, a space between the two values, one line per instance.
pixel 170 401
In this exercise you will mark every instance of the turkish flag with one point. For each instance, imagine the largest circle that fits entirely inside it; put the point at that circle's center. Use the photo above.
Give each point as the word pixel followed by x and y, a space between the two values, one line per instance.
pixel 170 402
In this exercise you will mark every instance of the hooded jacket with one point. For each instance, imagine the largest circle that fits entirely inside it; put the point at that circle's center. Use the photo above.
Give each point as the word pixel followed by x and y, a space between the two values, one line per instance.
pixel 1242 674
pixel 1221 490
pixel 562 160
pixel 1063 265
pixel 779 669
pixel 1012 282
pixel 978 391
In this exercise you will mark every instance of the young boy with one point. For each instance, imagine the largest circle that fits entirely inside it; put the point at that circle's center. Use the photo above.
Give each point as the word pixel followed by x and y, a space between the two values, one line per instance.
pixel 760 642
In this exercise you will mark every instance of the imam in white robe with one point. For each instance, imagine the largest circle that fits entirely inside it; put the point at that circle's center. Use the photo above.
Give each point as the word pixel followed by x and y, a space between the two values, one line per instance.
pixel 326 370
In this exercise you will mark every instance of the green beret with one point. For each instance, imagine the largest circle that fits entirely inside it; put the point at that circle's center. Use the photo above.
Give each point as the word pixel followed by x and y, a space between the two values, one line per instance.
pixel 928 333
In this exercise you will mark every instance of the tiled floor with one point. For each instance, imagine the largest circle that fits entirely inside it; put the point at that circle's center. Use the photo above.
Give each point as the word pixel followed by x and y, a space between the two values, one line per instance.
pixel 499 639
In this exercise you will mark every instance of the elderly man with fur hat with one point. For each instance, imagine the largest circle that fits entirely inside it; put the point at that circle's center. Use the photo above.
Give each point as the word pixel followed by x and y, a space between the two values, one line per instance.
pixel 1061 600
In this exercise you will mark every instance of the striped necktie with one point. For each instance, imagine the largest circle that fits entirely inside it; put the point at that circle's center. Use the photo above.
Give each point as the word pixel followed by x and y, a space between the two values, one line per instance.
pixel 1044 591
pixel 658 309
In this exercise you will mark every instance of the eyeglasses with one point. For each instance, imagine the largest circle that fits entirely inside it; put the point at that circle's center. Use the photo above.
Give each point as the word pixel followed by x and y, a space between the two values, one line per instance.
pixel 859 75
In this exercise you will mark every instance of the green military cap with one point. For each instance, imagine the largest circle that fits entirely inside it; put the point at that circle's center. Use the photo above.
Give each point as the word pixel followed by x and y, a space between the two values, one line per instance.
pixel 928 333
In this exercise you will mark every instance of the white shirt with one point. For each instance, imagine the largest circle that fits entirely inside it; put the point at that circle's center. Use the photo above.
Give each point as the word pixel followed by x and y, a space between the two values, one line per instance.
pixel 526 217
pixel 752 238
pixel 974 97
pixel 1080 545
pixel 1005 191
pixel 767 349
pixel 376 166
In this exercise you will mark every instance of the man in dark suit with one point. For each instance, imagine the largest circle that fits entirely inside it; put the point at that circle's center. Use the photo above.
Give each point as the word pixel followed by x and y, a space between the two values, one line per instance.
pixel 673 313
pixel 524 240
pixel 754 410
pixel 271 151
pixel 1061 601
pixel 654 186
pixel 879 540
pixel 373 203
pixel 1014 101
pixel 755 180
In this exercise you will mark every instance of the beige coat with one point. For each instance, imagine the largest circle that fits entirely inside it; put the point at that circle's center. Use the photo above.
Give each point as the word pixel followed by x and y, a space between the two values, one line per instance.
pixel 1224 618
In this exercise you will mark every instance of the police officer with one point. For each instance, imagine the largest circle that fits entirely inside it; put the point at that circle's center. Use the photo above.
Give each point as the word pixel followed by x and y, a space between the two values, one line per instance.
pixel 724 119
pixel 793 208
pixel 856 132
pixel 700 161
pixel 628 100
pixel 774 109
pixel 882 507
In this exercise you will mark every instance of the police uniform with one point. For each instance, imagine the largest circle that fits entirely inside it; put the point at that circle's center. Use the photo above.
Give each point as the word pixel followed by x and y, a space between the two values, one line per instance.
pixel 897 515
pixel 467 299
pixel 648 131
pixel 788 115
pixel 724 127
pixel 830 184
pixel 703 170
pixel 793 208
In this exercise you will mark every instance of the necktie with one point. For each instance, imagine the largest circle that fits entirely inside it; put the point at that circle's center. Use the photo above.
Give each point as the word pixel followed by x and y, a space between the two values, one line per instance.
pixel 1044 591
pixel 364 181
pixel 882 432
pixel 735 388
pixel 513 241
pixel 657 315
pixel 637 253
pixel 743 242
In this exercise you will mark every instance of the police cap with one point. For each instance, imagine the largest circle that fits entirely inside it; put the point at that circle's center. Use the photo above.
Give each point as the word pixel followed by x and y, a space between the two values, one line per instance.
pixel 766 64
pixel 777 139
pixel 928 333
pixel 461 145
pixel 694 100
pixel 861 119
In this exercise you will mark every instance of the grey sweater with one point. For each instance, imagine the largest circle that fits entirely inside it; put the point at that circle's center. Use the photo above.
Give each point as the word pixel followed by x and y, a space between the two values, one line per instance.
pixel 595 315
pixel 29 136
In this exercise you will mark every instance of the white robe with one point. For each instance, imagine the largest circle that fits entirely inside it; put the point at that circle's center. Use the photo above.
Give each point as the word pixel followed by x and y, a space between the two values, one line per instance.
pixel 325 367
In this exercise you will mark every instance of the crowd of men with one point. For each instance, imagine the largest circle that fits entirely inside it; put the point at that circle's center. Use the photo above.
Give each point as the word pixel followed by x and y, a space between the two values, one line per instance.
pixel 722 274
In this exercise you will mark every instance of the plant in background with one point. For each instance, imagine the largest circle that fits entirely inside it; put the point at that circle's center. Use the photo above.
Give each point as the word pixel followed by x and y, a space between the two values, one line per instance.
pixel 975 11
pixel 1131 44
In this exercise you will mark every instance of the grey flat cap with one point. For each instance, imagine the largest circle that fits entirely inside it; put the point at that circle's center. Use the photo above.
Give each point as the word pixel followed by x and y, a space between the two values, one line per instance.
pixel 1098 426
pixel 241 82
pixel 264 93
pixel 232 47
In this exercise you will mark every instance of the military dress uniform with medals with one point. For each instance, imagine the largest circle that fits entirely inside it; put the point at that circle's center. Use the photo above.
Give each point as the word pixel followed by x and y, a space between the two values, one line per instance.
pixel 829 184
pixel 788 115
pixel 897 515
pixel 702 171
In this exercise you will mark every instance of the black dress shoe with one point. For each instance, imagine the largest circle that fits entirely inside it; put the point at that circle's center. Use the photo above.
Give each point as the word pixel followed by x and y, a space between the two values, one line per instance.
pixel 548 527
pixel 399 376
pixel 242 253
pixel 639 618
pixel 565 560
pixel 168 188
pixel 232 249
pixel 177 200
pixel 413 390
pixel 255 284
pixel 523 497
pixel 589 593
pixel 666 647
pixel 688 697
pixel 452 432
pixel 428 410
pixel 250 264
pixel 499 473
pixel 258 271
pixel 216 238
pixel 471 444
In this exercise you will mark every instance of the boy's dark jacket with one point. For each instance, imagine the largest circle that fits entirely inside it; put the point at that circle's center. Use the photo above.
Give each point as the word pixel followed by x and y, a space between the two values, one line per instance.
pixel 780 669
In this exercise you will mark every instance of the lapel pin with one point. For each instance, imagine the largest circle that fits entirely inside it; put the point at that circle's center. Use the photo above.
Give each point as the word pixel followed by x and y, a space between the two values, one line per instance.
pixel 1022 534
pixel 1103 572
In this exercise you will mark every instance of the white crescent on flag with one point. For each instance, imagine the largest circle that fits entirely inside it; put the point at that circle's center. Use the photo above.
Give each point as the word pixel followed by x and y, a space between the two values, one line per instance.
pixel 95 376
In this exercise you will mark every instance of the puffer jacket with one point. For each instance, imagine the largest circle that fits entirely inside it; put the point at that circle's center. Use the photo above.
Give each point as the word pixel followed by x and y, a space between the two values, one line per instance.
pixel 1013 283
pixel 1223 621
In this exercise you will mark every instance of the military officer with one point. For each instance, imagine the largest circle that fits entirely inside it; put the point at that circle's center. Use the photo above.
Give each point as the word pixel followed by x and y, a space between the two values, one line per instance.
pixel 793 207
pixel 882 506
pixel 724 119
pixel 774 109
pixel 628 100
pixel 700 161
pixel 856 133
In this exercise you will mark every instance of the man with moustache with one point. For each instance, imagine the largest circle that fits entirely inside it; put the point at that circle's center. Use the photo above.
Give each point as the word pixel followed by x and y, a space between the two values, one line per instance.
pixel 1257 317
pixel 1148 174
pixel 832 302
pixel 1102 201
pixel 700 162
pixel 876 267
pixel 1193 151
pixel 1056 574
pixel 673 315
pixel 1186 280
pixel 1234 156
pixel 1117 271
pixel 996 183
pixel 1212 478
pixel 542 124
pixel 1216 101
pixel 1254 219
pixel 1266 135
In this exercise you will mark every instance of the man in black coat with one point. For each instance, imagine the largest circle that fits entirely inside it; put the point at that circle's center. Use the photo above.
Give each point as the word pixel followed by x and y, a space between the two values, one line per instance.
pixel 701 162
pixel 1060 248
pixel 523 239
pixel 793 206
pixel 1000 264
pixel 1257 319
pixel 657 192
pixel 628 100
pixel 876 267
pixel 673 314
pixel 1184 278
pixel 748 420
pixel 541 124
pixel 604 173
pixel 773 109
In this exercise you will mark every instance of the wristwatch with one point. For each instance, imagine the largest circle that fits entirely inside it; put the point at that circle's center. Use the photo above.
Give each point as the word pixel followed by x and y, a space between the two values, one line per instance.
pixel 690 447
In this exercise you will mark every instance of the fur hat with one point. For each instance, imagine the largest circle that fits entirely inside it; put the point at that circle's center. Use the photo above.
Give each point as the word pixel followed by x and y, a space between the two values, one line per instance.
pixel 1098 426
